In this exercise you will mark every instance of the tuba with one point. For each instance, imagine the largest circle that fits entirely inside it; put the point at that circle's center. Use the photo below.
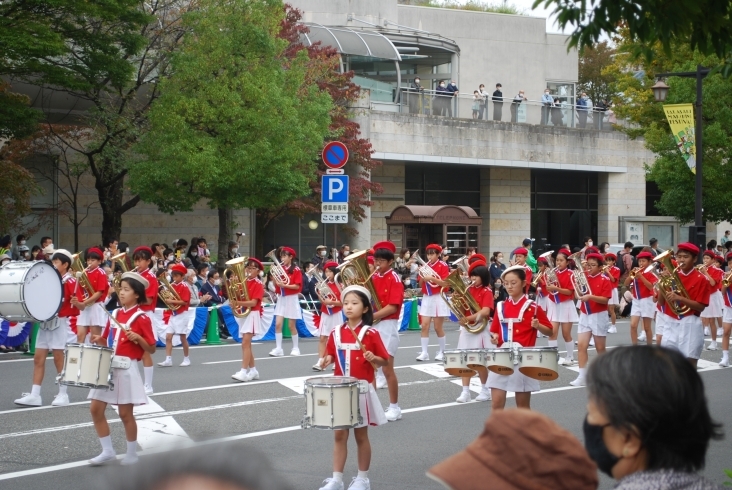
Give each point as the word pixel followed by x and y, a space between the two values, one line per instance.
pixel 121 260
pixel 461 265
pixel 462 301
pixel 671 283
pixel 235 283
pixel 87 290
pixel 425 271
pixel 354 271
pixel 278 272
pixel 166 291
pixel 579 279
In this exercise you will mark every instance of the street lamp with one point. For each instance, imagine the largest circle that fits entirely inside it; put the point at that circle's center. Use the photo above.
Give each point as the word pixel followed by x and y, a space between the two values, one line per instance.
pixel 697 233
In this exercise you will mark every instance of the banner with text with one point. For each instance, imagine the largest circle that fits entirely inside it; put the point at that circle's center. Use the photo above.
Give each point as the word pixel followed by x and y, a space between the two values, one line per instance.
pixel 681 119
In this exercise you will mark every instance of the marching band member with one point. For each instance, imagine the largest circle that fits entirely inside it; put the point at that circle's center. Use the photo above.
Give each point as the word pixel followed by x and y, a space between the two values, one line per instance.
pixel 178 322
pixel 128 388
pixel 727 318
pixel 613 274
pixel 91 310
pixel 52 336
pixel 712 313
pixel 432 306
pixel 249 325
pixel 525 318
pixel 685 333
pixel 330 312
pixel 287 305
pixel 390 293
pixel 642 306
pixel 563 312
pixel 142 257
pixel 660 314
pixel 520 255
pixel 481 291
pixel 541 292
pixel 593 320
pixel 356 358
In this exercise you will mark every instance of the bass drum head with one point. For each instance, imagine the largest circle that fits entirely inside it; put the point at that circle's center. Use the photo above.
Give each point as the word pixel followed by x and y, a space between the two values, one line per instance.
pixel 43 291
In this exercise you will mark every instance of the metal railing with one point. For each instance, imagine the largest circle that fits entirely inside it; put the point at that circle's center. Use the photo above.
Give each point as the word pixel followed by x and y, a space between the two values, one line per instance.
pixel 463 106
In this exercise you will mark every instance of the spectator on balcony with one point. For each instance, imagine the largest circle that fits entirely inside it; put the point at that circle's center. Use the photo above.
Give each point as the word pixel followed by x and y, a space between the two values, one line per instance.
pixel 517 100
pixel 599 113
pixel 497 103
pixel 557 115
pixel 441 100
pixel 583 105
pixel 477 102
pixel 546 104
pixel 452 88
pixel 414 97
pixel 484 103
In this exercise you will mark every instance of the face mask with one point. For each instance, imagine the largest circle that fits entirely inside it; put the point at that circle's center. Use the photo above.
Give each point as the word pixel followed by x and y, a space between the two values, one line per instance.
pixel 442 85
pixel 323 253
pixel 22 242
pixel 51 246
pixel 217 282
pixel 110 276
pixel 406 256
pixel 171 257
pixel 169 277
pixel 234 250
pixel 345 253
pixel 416 80
pixel 194 254
pixel 546 93
pixel 500 257
pixel 589 244
pixel 498 284
pixel 521 95
pixel 596 448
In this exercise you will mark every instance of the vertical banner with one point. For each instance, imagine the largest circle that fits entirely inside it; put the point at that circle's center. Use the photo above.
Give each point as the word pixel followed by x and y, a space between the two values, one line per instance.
pixel 681 119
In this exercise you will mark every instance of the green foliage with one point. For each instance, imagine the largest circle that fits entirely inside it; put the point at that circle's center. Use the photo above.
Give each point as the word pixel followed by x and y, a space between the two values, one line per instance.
pixel 474 5
pixel 703 25
pixel 235 125
pixel 729 475
pixel 594 77
pixel 17 120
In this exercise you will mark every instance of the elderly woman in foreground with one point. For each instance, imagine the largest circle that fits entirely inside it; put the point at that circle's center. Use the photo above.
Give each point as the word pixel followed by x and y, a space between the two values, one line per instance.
pixel 648 425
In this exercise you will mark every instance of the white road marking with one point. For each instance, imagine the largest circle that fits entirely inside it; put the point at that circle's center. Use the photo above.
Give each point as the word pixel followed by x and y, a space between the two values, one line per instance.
pixel 157 431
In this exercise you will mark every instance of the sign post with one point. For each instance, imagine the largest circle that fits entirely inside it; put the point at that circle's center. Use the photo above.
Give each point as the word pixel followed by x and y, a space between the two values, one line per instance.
pixel 334 186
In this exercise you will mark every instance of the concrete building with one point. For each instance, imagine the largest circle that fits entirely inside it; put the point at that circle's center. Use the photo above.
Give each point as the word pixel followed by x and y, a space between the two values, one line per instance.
pixel 460 171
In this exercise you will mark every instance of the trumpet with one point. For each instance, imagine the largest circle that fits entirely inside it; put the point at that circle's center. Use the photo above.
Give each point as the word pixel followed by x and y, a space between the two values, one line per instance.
pixel 166 291
pixel 87 290
pixel 235 282
pixel 672 283
pixel 634 272
pixel 461 302
pixel 536 279
pixel 121 260
pixel 278 272
pixel 425 271
pixel 727 279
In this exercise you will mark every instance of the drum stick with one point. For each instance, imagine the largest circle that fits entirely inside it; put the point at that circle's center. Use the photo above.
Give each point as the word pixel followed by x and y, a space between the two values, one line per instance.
pixel 360 345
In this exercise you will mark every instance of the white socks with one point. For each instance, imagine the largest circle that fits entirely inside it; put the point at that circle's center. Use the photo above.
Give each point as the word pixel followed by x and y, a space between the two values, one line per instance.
pixel 278 340
pixel 425 343
pixel 338 476
pixel 107 451
pixel 441 341
pixel 725 355
pixel 466 389
pixel 148 375
pixel 569 345
pixel 36 390
pixel 62 389
pixel 582 372
pixel 364 475
pixel 393 405
pixel 295 340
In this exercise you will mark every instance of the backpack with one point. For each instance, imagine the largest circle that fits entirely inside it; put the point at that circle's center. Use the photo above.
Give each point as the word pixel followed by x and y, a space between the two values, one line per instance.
pixel 620 264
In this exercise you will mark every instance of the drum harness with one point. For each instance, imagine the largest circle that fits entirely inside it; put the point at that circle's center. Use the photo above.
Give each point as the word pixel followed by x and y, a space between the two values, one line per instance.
pixel 507 327
pixel 345 361
pixel 122 362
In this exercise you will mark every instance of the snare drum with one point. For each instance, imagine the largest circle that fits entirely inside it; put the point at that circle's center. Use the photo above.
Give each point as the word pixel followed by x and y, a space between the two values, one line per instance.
pixel 456 363
pixel 87 366
pixel 332 402
pixel 477 358
pixel 500 361
pixel 30 291
pixel 540 363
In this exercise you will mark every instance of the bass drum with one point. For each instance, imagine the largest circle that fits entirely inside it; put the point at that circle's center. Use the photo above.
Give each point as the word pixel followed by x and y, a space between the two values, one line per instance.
pixel 30 291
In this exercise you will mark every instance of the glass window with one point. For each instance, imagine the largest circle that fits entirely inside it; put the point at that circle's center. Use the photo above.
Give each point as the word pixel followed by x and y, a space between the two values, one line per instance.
pixel 436 185
pixel 663 233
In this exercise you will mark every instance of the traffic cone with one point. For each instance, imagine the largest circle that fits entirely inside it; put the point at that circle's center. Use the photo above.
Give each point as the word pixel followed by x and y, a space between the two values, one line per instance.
pixel 212 330
pixel 286 329
pixel 32 340
pixel 414 316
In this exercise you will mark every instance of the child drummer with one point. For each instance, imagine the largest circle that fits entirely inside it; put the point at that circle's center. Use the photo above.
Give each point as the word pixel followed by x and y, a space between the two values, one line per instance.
pixel 356 358
pixel 131 343
pixel 52 336
pixel 525 318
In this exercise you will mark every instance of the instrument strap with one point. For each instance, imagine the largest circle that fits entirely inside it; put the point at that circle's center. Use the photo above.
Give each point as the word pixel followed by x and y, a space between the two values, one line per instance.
pixel 344 350
pixel 118 331
pixel 507 323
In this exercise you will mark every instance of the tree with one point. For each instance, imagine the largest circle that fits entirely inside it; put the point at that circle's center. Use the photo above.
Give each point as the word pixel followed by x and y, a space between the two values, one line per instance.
pixel 108 54
pixel 323 67
pixel 594 78
pixel 669 170
pixel 703 25
pixel 238 124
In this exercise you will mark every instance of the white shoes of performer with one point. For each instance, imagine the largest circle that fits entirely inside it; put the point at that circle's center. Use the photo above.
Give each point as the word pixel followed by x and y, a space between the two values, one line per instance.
pixel 592 341
pixel 707 332
pixel 276 352
pixel 720 331
pixel 60 400
pixel 612 329
pixel 712 345
pixel 566 362
pixel 359 484
pixel 168 362
pixel 240 375
pixel 642 337
pixel 464 397
pixel 724 362
pixel 253 374
pixel 380 382
pixel 440 356
pixel 393 414
pixel 331 484
pixel 29 400
pixel 484 395
pixel 103 458
pixel 186 362
pixel 148 390
pixel 128 460
pixel 580 381
pixel 317 366
pixel 295 351
pixel 423 356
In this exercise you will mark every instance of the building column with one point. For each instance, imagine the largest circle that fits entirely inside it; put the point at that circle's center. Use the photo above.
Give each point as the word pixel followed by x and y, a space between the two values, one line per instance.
pixel 619 194
pixel 510 208
pixel 485 211
pixel 391 177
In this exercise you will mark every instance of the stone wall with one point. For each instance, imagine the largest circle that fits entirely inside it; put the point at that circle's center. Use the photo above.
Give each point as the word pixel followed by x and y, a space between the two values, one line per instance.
pixel 391 177
pixel 510 208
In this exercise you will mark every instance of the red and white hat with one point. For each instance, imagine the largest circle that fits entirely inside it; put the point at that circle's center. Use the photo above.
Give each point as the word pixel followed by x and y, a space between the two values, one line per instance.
pixel 256 262
pixel 474 265
pixel 288 250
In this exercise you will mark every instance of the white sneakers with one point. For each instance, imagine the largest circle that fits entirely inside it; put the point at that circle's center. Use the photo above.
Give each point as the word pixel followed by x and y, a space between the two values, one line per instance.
pixel 612 329
pixel 712 345
pixel 592 342
pixel 60 400
pixel 484 395
pixel 359 484
pixel 128 460
pixel 393 414
pixel 168 362
pixel 240 376
pixel 724 362
pixel 423 356
pixel 295 351
pixel 276 352
pixel 707 332
pixel 253 374
pixel 331 484
pixel 29 400
pixel 566 362
pixel 580 381
pixel 464 397
pixel 103 458
pixel 440 356
pixel 148 390
pixel 720 331
pixel 186 362
pixel 380 382
pixel 317 366
pixel 642 337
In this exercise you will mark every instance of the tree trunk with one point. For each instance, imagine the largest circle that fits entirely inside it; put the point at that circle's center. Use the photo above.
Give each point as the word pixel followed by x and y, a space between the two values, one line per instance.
pixel 111 201
pixel 226 221
pixel 260 227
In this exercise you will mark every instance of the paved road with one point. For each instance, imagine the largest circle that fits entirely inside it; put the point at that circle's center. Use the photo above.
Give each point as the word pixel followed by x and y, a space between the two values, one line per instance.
pixel 200 404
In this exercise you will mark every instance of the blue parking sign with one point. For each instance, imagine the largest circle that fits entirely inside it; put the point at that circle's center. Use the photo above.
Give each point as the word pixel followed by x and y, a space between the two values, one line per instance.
pixel 335 188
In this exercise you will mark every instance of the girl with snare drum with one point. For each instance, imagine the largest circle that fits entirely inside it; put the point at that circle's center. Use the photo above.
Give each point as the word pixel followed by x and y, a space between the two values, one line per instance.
pixel 518 318
pixel 129 344
pixel 357 356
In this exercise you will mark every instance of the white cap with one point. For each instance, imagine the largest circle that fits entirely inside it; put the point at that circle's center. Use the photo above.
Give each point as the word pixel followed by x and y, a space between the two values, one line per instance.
pixel 61 251
pixel 137 277
pixel 513 268
pixel 360 289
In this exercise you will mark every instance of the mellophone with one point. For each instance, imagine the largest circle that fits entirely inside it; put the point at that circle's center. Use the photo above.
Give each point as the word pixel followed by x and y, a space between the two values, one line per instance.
pixel 539 363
